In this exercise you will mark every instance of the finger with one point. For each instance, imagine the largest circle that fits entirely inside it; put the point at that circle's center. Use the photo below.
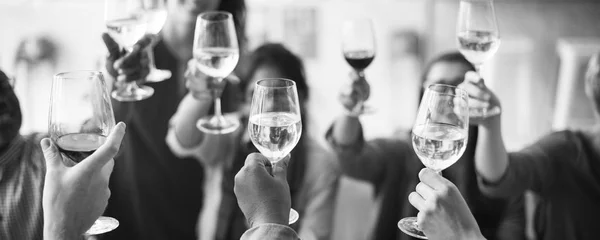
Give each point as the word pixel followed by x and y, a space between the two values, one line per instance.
pixel 280 171
pixel 143 43
pixel 416 200
pixel 256 159
pixel 475 91
pixel 112 46
pixel 425 191
pixel 51 153
pixel 432 179
pixel 106 152
pixel 473 77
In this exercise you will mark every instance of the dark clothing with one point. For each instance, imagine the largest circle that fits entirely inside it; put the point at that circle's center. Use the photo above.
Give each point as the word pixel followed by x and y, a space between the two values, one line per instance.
pixel 564 169
pixel 392 166
pixel 155 195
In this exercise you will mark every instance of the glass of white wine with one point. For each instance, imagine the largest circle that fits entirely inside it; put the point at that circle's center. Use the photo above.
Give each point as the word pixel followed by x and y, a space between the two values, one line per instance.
pixel 478 39
pixel 216 54
pixel 156 16
pixel 439 136
pixel 80 119
pixel 274 123
pixel 126 24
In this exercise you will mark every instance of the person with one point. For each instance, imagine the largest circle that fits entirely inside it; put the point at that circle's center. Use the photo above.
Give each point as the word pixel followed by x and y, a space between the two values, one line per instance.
pixel 443 212
pixel 157 195
pixel 314 176
pixel 563 167
pixel 391 165
pixel 71 197
pixel 75 196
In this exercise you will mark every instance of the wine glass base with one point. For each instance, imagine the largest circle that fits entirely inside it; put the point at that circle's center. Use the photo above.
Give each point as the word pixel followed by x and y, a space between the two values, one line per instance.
pixel 484 112
pixel 294 216
pixel 158 75
pixel 218 125
pixel 409 226
pixel 134 94
pixel 103 225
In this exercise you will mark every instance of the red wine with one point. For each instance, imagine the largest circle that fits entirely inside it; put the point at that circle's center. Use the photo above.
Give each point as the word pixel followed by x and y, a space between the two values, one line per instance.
pixel 78 146
pixel 359 60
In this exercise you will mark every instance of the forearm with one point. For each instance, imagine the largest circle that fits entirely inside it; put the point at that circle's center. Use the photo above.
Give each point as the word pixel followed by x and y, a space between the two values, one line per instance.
pixel 55 232
pixel 184 125
pixel 491 157
pixel 346 130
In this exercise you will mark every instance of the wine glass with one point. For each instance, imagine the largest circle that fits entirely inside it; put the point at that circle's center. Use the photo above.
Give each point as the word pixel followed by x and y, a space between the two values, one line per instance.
pixel 156 16
pixel 478 39
pixel 439 136
pixel 80 119
pixel 358 47
pixel 126 24
pixel 274 124
pixel 216 54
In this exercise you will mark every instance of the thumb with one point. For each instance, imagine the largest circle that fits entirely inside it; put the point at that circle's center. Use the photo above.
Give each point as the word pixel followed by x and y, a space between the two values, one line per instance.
pixel 474 77
pixel 51 153
pixel 280 170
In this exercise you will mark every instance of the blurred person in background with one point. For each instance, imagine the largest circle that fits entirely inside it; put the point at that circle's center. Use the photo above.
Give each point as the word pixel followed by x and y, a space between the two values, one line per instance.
pixel 563 168
pixel 157 195
pixel 391 165
pixel 313 175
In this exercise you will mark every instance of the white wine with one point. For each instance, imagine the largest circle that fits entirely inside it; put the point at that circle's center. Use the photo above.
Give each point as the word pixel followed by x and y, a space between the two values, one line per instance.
pixel 155 19
pixel 78 146
pixel 216 62
pixel 275 134
pixel 478 46
pixel 439 145
pixel 126 32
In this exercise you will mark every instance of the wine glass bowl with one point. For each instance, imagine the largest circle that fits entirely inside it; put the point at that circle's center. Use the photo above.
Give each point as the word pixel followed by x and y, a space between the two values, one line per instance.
pixel 80 119
pixel 439 136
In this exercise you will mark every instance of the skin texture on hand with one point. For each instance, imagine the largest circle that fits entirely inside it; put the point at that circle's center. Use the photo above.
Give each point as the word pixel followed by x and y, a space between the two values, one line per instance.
pixel 443 212
pixel 263 193
pixel 131 66
pixel 75 196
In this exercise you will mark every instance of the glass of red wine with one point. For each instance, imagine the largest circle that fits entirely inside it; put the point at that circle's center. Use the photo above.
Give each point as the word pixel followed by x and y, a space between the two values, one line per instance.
pixel 80 119
pixel 358 47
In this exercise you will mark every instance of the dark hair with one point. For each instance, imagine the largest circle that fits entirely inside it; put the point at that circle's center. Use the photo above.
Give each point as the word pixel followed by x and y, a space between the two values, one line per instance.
pixel 237 8
pixel 289 66
pixel 449 57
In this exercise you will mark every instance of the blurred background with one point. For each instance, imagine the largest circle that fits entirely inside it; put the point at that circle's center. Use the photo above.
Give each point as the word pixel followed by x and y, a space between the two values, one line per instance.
pixel 537 71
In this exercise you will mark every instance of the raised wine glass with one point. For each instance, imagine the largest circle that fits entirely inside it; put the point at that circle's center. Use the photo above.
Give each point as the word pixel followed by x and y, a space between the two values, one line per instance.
pixel 478 39
pixel 439 136
pixel 156 16
pixel 358 47
pixel 80 119
pixel 274 123
pixel 126 24
pixel 216 54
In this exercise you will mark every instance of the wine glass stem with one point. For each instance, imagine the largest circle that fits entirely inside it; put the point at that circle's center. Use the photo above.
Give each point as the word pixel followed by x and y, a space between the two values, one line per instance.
pixel 150 50
pixel 218 107
pixel 361 73
pixel 478 69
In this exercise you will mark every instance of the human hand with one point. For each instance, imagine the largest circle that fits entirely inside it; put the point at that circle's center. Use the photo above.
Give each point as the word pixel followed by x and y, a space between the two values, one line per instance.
pixel 127 67
pixel 200 85
pixel 443 212
pixel 480 97
pixel 353 95
pixel 263 194
pixel 75 196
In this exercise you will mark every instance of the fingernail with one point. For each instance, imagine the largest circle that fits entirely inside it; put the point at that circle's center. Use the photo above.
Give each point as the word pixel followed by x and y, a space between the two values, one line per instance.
pixel 121 126
pixel 46 143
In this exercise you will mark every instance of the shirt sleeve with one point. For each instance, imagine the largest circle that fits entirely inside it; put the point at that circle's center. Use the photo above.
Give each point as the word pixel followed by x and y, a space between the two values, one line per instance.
pixel 270 231
pixel 534 167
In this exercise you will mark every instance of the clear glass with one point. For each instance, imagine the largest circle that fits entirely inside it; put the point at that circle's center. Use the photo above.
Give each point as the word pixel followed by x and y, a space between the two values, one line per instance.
pixel 126 24
pixel 80 119
pixel 358 47
pixel 439 136
pixel 216 54
pixel 478 39
pixel 274 124
pixel 156 16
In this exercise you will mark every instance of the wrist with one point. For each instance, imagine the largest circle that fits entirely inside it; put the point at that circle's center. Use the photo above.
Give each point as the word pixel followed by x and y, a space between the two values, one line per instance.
pixel 281 219
pixel 493 123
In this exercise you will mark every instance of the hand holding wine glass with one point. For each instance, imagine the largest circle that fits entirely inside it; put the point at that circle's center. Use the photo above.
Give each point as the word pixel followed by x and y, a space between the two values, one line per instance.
pixel 274 124
pixel 439 136
pixel 478 39
pixel 216 54
pixel 358 47
pixel 480 96
pixel 354 93
pixel 81 117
